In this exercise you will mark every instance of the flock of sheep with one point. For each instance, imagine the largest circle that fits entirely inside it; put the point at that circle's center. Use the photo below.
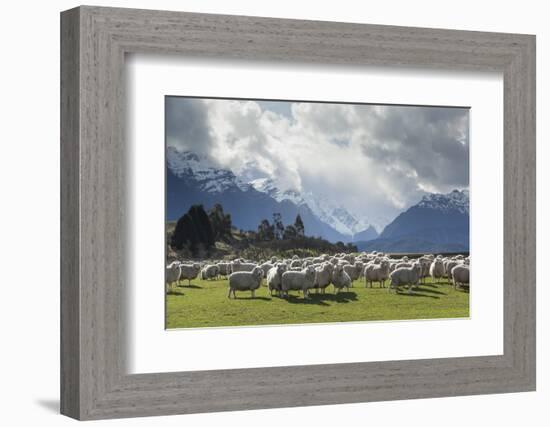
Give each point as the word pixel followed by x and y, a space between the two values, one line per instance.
pixel 318 273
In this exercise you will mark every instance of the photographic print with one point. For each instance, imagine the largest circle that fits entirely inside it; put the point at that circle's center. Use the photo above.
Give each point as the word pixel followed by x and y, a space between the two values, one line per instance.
pixel 295 212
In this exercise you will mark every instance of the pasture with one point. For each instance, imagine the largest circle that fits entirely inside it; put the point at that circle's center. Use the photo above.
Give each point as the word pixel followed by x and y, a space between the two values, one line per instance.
pixel 205 304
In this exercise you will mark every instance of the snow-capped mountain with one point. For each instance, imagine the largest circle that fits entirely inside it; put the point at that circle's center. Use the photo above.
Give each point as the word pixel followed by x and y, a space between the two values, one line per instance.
pixel 336 216
pixel 193 179
pixel 208 176
pixel 438 223
pixel 454 201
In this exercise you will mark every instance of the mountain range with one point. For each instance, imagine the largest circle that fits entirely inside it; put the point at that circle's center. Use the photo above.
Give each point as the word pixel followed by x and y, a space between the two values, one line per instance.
pixel 192 178
pixel 438 223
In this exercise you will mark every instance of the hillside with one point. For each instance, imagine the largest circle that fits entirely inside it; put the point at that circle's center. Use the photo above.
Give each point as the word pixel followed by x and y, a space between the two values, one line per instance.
pixel 245 245
pixel 438 223
pixel 192 179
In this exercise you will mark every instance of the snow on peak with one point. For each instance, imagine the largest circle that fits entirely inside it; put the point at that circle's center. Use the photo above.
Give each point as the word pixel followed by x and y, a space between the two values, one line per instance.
pixel 455 200
pixel 334 215
pixel 210 177
pixel 214 179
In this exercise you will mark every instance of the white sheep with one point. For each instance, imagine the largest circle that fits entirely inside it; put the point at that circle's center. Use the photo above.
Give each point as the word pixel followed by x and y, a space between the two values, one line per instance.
pixel 245 281
pixel 224 268
pixel 425 263
pixel 189 271
pixel 353 270
pixel 274 278
pixel 239 265
pixel 402 264
pixel 461 275
pixel 340 279
pixel 298 281
pixel 323 276
pixel 448 267
pixel 405 276
pixel 266 266
pixel 377 273
pixel 209 271
pixel 173 274
pixel 437 269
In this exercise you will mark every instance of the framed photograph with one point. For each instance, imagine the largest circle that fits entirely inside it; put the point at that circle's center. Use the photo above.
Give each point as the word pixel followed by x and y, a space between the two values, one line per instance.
pixel 261 213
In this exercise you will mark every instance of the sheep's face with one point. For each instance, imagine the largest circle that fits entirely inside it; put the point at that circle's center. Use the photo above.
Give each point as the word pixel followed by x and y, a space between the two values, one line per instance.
pixel 258 272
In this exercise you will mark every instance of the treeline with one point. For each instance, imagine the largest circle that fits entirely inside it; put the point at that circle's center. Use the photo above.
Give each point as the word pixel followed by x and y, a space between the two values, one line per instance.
pixel 198 230
pixel 277 230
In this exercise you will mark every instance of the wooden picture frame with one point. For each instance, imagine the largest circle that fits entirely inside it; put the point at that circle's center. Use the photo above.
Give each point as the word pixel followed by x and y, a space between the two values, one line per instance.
pixel 94 41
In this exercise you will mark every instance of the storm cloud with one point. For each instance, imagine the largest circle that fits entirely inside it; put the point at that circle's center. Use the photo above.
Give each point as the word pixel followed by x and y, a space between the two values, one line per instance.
pixel 374 160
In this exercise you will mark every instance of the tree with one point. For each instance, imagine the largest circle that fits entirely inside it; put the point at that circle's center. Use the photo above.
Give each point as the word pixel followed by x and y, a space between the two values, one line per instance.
pixel 290 232
pixel 202 225
pixel 278 224
pixel 220 222
pixel 193 231
pixel 299 226
pixel 184 234
pixel 266 231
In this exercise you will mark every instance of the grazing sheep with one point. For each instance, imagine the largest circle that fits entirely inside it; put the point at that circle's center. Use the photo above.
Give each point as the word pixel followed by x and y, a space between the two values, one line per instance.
pixel 425 263
pixel 437 269
pixel 377 273
pixel 173 273
pixel 189 272
pixel 239 265
pixel 266 266
pixel 353 274
pixel 323 276
pixel 340 279
pixel 274 278
pixel 461 275
pixel 245 281
pixel 224 268
pixel 209 271
pixel 359 265
pixel 298 281
pixel 405 276
pixel 448 267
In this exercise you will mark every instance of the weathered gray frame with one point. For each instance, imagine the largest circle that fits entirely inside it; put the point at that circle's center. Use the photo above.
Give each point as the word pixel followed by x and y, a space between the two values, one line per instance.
pixel 94 41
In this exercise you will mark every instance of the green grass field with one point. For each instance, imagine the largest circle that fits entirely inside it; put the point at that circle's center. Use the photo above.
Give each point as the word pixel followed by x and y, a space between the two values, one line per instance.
pixel 205 304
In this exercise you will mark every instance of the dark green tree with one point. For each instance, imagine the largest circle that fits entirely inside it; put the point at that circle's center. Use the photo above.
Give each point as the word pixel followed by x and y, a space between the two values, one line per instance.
pixel 266 231
pixel 193 231
pixel 184 234
pixel 220 222
pixel 278 225
pixel 202 225
pixel 290 232
pixel 299 226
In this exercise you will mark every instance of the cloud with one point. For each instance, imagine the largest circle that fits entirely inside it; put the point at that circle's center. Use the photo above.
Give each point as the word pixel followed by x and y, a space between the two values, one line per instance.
pixel 373 160
pixel 187 126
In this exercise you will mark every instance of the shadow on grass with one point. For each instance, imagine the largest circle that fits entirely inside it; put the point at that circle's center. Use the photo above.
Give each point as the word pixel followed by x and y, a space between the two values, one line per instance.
pixel 415 294
pixel 249 298
pixel 321 299
pixel 175 292
pixel 429 290
pixel 191 286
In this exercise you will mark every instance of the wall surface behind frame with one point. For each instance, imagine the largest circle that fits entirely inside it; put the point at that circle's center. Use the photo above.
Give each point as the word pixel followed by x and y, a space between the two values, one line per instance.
pixel 29 226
